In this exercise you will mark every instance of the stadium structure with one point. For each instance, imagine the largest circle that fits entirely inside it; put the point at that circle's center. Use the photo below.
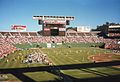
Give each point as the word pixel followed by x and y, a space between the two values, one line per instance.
pixel 114 31
pixel 54 31
pixel 53 25
pixel 56 52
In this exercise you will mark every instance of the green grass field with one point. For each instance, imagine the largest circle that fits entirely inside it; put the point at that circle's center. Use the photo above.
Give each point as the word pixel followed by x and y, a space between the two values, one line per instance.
pixel 61 55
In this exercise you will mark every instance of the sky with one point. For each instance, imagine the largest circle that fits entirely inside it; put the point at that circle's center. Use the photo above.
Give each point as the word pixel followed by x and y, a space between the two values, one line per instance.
pixel 87 12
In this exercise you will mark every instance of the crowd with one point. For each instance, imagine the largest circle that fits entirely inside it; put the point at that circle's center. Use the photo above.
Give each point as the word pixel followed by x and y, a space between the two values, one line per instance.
pixel 6 42
pixel 113 45
pixel 114 34
pixel 49 39
pixel 5 48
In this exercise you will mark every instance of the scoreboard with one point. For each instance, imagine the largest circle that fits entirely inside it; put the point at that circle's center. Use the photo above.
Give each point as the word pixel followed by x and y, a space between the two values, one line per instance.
pixel 54 25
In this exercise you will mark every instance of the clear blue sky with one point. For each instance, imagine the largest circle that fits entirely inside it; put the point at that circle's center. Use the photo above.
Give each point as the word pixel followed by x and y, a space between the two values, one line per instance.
pixel 86 12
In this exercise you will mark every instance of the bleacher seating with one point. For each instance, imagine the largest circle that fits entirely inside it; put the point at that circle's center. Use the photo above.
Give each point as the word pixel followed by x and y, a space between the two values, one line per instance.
pixel 7 39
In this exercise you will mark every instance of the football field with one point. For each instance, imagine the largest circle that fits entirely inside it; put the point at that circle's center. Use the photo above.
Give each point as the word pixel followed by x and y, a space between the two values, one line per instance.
pixel 64 61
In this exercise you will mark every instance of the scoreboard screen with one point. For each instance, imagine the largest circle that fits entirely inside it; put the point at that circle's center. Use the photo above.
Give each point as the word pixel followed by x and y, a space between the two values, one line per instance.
pixel 54 22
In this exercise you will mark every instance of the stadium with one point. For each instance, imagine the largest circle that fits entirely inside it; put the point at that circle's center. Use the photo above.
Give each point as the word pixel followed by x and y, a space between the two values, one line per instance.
pixel 58 54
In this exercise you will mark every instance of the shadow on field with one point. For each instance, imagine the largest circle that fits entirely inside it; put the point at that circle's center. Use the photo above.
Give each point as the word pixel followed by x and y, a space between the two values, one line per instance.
pixel 19 72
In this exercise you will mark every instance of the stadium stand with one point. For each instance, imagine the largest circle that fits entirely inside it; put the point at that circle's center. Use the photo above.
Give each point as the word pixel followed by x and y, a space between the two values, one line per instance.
pixel 5 47
pixel 7 39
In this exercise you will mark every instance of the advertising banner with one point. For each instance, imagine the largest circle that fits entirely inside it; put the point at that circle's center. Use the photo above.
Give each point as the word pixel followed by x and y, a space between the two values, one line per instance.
pixel 46 29
pixel 18 27
pixel 62 29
